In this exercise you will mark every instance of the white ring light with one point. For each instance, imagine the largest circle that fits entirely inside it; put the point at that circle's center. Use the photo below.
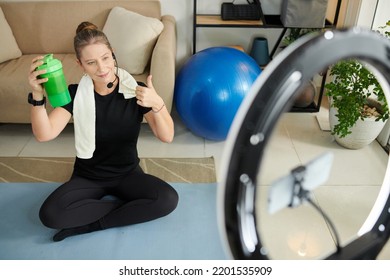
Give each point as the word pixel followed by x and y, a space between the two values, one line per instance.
pixel 271 95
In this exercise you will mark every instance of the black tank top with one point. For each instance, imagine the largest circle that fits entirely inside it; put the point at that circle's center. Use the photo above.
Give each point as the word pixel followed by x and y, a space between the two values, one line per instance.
pixel 118 123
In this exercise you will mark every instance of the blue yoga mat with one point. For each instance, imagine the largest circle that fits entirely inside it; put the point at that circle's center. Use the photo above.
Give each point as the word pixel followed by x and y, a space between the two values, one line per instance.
pixel 190 232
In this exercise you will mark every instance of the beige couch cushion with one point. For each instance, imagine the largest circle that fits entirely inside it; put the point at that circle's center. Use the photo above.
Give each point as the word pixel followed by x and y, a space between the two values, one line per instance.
pixel 32 22
pixel 132 37
pixel 8 47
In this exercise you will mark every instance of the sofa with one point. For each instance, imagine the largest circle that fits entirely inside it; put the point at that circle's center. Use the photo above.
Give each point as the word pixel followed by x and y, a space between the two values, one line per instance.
pixel 33 28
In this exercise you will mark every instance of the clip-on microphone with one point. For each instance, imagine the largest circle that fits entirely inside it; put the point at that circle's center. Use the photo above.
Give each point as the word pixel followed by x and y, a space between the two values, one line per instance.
pixel 111 84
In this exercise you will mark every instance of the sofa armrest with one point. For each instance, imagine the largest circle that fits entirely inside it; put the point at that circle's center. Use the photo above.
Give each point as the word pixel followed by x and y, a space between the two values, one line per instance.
pixel 162 65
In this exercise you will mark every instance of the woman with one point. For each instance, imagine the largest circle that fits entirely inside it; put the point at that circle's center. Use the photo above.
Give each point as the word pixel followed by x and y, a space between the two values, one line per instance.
pixel 108 164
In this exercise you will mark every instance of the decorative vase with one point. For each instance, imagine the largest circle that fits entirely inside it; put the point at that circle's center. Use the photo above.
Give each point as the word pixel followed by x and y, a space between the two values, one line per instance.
pixel 363 132
pixel 306 97
pixel 259 51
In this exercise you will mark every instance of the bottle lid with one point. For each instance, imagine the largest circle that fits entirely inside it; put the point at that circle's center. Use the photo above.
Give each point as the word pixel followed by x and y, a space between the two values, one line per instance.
pixel 50 64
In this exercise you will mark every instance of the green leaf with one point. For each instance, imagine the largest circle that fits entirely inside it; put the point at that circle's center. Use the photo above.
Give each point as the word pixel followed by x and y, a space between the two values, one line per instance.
pixel 352 86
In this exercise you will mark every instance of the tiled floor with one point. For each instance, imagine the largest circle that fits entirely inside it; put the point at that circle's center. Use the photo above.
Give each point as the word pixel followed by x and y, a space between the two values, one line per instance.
pixel 347 197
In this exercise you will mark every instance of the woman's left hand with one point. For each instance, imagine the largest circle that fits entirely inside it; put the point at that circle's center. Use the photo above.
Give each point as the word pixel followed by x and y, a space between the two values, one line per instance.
pixel 148 97
pixel 159 118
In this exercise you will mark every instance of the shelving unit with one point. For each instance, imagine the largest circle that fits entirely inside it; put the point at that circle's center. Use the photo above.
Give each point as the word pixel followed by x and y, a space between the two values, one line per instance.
pixel 215 21
pixel 270 21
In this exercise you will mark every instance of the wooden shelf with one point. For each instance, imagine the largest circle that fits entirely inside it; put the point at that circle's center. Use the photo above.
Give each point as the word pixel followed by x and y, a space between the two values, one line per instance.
pixel 217 21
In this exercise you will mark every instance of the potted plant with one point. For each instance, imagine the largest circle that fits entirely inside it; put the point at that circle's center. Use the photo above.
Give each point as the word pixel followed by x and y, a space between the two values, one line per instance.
pixel 358 106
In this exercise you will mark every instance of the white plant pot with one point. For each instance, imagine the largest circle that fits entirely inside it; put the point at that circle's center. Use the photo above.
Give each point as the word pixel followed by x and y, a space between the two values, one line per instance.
pixel 363 132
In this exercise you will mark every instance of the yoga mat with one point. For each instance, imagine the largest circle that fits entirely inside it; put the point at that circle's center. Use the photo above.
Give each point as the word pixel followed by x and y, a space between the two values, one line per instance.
pixel 190 232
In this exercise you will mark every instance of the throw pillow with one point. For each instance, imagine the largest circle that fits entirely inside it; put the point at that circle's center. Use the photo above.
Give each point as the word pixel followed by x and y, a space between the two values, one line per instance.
pixel 132 36
pixel 9 49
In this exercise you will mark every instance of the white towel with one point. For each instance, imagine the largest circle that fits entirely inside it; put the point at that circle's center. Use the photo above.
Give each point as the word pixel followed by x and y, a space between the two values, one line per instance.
pixel 84 111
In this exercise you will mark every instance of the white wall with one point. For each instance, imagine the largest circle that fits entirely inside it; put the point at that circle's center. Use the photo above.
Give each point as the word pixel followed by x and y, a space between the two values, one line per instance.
pixel 382 14
pixel 366 13
pixel 373 13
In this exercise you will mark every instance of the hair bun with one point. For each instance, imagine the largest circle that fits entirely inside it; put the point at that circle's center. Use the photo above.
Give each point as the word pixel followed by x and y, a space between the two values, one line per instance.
pixel 86 25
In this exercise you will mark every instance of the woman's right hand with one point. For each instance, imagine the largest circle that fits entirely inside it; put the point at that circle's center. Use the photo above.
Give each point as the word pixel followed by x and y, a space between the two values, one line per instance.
pixel 33 79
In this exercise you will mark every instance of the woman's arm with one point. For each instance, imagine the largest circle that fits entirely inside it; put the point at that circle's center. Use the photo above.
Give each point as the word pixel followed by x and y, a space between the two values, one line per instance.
pixel 45 127
pixel 159 119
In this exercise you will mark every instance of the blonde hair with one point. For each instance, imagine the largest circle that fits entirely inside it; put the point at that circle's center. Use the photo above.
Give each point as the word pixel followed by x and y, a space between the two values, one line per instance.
pixel 86 34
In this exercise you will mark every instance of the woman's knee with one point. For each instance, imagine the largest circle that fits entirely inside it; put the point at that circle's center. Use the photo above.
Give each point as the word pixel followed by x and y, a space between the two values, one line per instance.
pixel 169 199
pixel 48 214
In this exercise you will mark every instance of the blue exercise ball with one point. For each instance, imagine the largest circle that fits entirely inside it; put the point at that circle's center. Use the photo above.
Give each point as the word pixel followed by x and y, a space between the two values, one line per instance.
pixel 210 87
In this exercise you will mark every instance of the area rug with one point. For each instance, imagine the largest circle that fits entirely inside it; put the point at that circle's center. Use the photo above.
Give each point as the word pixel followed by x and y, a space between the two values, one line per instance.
pixel 34 169
pixel 190 232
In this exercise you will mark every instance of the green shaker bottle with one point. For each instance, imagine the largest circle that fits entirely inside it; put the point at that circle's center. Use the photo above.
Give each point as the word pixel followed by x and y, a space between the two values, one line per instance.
pixel 56 87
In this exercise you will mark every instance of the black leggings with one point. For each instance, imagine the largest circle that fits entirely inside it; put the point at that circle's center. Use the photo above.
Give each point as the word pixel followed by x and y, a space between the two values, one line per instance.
pixel 139 197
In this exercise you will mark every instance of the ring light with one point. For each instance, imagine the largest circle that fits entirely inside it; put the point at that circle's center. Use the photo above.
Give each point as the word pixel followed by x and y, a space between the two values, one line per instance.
pixel 271 95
